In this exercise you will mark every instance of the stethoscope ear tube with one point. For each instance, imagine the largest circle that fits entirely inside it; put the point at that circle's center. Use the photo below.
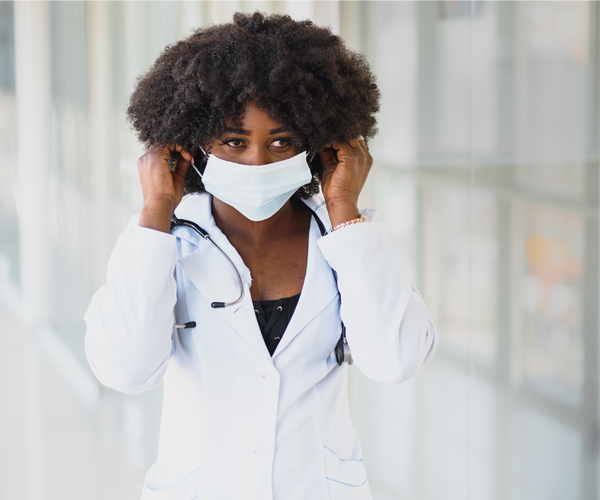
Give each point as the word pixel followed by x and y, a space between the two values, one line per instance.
pixel 189 324
pixel 175 222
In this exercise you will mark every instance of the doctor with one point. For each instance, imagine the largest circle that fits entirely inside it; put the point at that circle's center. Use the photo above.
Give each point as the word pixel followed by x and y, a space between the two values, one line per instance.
pixel 239 311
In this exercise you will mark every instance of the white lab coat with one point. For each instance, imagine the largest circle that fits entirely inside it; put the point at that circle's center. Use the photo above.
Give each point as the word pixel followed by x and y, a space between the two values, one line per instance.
pixel 238 423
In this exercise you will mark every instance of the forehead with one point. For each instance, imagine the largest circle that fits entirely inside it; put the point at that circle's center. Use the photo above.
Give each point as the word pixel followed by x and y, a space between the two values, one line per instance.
pixel 255 118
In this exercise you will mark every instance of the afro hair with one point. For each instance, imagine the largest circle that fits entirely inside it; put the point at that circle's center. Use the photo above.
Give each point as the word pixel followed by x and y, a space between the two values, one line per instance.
pixel 302 75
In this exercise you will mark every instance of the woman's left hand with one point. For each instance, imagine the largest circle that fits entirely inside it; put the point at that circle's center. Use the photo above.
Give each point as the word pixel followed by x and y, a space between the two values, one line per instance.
pixel 344 179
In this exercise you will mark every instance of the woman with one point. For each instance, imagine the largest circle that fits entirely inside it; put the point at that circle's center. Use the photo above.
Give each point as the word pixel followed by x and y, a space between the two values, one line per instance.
pixel 243 326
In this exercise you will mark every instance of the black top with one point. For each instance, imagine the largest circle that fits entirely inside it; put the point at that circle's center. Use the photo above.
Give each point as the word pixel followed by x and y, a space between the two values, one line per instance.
pixel 273 317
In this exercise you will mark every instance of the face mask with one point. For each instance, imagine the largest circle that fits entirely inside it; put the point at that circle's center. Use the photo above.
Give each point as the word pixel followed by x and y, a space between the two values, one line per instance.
pixel 256 191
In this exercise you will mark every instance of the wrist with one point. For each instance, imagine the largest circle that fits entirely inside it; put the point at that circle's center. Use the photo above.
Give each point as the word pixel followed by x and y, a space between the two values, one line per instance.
pixel 157 214
pixel 341 212
pixel 163 201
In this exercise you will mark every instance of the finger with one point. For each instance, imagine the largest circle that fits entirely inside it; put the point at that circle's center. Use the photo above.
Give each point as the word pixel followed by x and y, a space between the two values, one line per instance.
pixel 349 149
pixel 181 168
pixel 363 145
pixel 182 163
pixel 347 146
pixel 187 155
pixel 177 147
pixel 327 157
pixel 158 151
pixel 357 142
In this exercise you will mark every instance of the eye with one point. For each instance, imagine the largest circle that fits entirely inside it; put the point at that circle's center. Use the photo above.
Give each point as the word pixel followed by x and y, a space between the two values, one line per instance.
pixel 234 143
pixel 281 143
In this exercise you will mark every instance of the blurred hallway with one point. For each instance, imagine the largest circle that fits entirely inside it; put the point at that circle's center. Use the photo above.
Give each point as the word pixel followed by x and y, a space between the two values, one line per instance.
pixel 71 450
pixel 486 174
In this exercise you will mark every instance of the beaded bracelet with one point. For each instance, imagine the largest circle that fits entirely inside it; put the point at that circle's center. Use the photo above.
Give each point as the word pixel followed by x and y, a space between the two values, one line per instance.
pixel 362 218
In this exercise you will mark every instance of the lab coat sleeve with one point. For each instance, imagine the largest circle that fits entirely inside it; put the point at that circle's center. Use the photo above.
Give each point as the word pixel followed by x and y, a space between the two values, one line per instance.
pixel 388 328
pixel 130 320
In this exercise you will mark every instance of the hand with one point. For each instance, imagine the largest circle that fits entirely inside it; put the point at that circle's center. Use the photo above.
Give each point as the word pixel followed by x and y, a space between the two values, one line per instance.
pixel 343 180
pixel 161 188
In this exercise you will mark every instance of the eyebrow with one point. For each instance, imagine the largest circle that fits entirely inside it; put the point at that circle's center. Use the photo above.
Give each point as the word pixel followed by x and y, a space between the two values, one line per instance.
pixel 239 131
pixel 274 131
pixel 242 131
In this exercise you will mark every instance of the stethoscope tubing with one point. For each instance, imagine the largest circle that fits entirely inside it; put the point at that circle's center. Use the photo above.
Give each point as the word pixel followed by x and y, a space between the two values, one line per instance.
pixel 217 305
pixel 176 222
pixel 342 349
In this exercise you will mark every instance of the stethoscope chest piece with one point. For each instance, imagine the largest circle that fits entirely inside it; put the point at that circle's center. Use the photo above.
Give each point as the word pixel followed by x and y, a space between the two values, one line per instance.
pixel 342 349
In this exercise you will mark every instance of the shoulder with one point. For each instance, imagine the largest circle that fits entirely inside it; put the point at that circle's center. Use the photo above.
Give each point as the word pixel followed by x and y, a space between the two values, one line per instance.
pixel 195 206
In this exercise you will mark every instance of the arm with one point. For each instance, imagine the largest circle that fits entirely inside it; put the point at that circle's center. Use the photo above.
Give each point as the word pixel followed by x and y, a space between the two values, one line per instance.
pixel 388 328
pixel 130 320
pixel 387 325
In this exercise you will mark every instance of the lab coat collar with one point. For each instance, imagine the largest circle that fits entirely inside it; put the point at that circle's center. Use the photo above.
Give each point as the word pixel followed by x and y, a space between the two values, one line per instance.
pixel 210 273
pixel 197 207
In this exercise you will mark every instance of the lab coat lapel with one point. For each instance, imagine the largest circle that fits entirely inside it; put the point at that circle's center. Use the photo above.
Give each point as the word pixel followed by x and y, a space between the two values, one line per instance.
pixel 213 276
pixel 216 280
pixel 318 290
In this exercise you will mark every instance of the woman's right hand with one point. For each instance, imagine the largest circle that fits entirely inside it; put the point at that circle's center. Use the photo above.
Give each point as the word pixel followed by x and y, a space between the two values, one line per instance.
pixel 161 188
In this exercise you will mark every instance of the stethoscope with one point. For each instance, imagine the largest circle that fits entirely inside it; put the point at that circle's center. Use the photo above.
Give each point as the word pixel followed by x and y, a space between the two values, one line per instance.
pixel 342 349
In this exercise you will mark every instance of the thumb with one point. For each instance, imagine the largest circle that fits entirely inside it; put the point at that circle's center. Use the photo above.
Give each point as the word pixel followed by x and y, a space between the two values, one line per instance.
pixel 181 168
pixel 327 158
pixel 186 154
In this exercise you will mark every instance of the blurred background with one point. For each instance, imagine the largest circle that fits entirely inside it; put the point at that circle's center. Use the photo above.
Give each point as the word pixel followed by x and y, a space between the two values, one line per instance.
pixel 486 174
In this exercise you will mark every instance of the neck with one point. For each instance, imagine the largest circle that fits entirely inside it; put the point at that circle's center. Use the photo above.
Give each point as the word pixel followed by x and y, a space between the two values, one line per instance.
pixel 235 226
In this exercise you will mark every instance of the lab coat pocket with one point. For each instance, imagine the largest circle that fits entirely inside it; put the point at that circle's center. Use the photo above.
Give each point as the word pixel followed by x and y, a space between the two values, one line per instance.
pixel 346 479
pixel 184 489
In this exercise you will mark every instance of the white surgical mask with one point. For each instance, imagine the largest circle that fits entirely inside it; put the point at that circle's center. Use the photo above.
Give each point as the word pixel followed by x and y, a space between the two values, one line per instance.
pixel 256 191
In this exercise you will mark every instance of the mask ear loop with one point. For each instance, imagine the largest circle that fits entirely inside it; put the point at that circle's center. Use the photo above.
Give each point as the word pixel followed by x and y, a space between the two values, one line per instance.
pixel 194 165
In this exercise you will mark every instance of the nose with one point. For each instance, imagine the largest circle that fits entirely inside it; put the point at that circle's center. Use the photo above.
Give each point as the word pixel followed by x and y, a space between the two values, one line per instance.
pixel 259 155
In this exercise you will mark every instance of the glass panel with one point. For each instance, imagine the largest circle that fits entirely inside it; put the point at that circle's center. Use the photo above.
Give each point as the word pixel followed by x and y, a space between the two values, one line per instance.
pixel 504 179
pixel 9 226
pixel 552 281
pixel 69 181
pixel 468 270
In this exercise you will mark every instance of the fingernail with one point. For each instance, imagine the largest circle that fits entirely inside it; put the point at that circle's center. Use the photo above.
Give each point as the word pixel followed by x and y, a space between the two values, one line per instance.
pixel 360 138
